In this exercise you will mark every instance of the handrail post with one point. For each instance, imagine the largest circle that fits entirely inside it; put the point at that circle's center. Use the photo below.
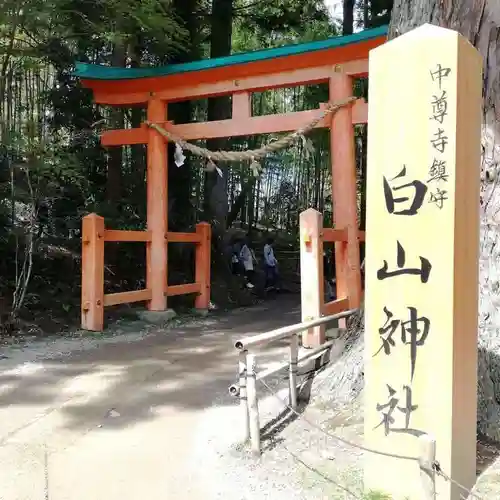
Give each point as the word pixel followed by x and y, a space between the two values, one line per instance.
pixel 92 305
pixel 253 404
pixel 294 357
pixel 311 274
pixel 202 265
pixel 242 369
pixel 426 461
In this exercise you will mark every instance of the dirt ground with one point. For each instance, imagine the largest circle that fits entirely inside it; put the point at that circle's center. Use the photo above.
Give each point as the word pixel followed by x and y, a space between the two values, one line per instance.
pixel 116 416
pixel 144 412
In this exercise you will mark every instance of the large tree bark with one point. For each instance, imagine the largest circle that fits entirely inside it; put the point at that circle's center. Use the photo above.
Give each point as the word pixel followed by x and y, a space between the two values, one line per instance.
pixel 216 203
pixel 348 19
pixel 180 179
pixel 115 158
pixel 479 21
pixel 137 178
pixel 219 108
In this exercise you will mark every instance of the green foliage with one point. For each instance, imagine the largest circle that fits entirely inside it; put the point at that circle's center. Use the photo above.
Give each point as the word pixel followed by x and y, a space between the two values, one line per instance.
pixel 49 131
pixel 280 22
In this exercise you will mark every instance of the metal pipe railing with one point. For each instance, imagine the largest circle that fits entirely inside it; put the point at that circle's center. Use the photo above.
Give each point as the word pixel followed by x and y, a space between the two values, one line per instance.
pixel 323 347
pixel 234 389
pixel 246 388
pixel 287 331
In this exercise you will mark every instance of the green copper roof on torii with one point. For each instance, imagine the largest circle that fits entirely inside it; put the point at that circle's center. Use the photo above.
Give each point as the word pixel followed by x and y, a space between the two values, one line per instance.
pixel 99 72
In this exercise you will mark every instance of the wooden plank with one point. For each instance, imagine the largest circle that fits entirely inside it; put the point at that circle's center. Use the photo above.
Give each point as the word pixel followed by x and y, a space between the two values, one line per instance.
pixel 184 289
pixel 330 235
pixel 203 264
pixel 170 91
pixel 120 235
pixel 311 275
pixel 335 306
pixel 183 237
pixel 92 310
pixel 269 124
pixel 125 137
pixel 112 299
pixel 242 106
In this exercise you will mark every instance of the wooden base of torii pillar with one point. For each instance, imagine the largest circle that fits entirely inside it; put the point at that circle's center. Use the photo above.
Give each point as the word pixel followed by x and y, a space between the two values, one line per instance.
pixel 345 236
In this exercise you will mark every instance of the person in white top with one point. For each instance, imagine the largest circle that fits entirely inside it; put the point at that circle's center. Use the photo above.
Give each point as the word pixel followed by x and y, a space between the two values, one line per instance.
pixel 247 258
pixel 270 263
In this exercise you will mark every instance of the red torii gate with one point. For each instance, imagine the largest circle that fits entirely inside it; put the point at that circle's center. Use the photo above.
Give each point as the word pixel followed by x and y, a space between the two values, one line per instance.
pixel 336 61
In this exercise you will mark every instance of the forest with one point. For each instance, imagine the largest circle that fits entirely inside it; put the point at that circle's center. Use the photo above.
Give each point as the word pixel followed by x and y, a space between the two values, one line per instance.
pixel 53 170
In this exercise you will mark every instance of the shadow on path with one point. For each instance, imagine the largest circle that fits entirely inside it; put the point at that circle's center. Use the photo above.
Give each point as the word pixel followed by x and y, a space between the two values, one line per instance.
pixel 181 369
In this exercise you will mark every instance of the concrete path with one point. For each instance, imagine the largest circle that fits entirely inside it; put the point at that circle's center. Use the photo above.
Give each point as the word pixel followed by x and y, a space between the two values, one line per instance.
pixel 116 421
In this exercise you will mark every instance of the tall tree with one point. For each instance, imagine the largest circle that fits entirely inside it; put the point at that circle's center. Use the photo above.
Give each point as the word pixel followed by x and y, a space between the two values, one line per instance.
pixel 219 108
pixel 348 17
pixel 180 180
pixel 115 159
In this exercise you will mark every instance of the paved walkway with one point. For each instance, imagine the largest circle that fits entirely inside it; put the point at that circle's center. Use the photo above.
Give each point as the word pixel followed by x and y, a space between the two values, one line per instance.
pixel 116 421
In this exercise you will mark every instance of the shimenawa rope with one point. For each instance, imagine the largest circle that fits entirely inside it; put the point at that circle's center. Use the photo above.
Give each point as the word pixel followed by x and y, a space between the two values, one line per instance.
pixel 254 154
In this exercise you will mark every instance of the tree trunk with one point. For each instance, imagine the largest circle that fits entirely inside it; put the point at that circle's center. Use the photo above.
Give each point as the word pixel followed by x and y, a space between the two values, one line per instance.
pixel 115 158
pixel 216 200
pixel 479 21
pixel 219 108
pixel 366 14
pixel 137 178
pixel 180 179
pixel 348 19
pixel 251 208
pixel 239 203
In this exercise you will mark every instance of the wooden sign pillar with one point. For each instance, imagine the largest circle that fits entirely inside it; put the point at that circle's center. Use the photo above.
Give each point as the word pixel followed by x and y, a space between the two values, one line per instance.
pixel 92 303
pixel 422 260
pixel 203 264
pixel 311 274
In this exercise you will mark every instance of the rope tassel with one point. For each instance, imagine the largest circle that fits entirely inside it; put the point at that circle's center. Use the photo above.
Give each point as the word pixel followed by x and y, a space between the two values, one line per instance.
pixel 179 157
